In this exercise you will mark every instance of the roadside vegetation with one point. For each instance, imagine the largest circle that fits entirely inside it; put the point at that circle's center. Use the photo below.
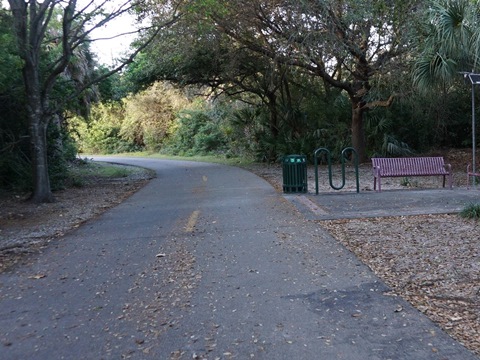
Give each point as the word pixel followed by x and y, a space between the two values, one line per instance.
pixel 84 172
pixel 471 211
pixel 206 85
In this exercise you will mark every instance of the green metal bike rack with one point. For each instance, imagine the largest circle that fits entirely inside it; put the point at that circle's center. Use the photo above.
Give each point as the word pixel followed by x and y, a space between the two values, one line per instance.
pixel 329 160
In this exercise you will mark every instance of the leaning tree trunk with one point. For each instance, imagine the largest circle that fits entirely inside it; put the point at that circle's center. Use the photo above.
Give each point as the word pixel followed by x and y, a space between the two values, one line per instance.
pixel 358 134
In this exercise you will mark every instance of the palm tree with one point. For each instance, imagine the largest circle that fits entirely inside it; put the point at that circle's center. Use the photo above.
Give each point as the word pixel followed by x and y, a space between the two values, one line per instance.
pixel 451 43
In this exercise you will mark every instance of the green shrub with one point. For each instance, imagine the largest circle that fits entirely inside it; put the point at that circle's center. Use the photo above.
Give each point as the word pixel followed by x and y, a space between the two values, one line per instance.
pixel 471 211
pixel 61 150
pixel 150 115
pixel 100 134
pixel 15 170
pixel 198 132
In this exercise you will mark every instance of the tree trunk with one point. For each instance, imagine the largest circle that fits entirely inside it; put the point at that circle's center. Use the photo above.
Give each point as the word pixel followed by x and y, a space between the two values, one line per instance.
pixel 38 123
pixel 29 17
pixel 358 134
pixel 41 182
pixel 273 125
pixel 273 116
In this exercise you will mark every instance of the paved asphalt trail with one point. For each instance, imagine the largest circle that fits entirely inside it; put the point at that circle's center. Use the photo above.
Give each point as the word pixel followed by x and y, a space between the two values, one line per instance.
pixel 207 262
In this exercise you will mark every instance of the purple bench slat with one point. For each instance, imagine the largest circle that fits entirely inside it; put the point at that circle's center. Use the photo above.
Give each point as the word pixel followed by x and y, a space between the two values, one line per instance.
pixel 415 166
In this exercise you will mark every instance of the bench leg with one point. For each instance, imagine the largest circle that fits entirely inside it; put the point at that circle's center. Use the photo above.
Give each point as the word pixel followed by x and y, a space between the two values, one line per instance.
pixel 450 181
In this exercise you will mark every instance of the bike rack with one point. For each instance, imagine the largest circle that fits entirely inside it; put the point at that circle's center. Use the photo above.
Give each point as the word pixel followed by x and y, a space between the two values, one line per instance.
pixel 329 159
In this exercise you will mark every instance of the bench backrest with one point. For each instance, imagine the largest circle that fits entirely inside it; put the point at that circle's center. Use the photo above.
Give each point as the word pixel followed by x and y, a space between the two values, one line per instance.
pixel 410 166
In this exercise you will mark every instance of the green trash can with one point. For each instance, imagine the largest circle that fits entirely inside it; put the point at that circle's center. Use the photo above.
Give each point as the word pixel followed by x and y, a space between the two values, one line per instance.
pixel 294 174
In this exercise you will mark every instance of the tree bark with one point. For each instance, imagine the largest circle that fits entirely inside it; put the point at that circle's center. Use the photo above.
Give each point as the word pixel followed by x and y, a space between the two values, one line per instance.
pixel 273 117
pixel 358 134
pixel 38 124
pixel 273 123
pixel 30 29
pixel 41 182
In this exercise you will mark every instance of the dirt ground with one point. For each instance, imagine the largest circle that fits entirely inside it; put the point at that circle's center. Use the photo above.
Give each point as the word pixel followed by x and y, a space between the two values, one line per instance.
pixel 433 261
pixel 26 227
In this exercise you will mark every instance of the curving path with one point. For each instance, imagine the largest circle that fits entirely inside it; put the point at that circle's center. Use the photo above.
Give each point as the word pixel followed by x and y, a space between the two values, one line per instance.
pixel 207 262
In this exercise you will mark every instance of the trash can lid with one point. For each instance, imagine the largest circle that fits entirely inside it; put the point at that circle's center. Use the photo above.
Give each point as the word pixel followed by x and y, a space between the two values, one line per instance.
pixel 294 158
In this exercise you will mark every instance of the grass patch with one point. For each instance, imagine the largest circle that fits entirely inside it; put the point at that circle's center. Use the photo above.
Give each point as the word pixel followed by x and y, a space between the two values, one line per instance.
pixel 83 172
pixel 91 168
pixel 208 158
pixel 405 182
pixel 112 171
pixel 471 211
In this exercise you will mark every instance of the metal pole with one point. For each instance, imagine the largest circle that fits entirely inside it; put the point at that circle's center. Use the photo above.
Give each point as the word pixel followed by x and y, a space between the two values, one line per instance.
pixel 473 135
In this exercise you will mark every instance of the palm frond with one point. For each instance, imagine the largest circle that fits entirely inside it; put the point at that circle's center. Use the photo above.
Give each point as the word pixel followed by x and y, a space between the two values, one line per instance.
pixel 452 45
pixel 433 69
pixel 393 147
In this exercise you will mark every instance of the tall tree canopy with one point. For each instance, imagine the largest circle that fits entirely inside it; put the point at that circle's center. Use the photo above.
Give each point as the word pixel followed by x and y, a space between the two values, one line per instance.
pixel 350 45
pixel 49 52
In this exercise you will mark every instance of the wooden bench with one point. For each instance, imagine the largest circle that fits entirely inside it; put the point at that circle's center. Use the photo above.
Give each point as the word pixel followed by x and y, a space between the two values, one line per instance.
pixel 414 166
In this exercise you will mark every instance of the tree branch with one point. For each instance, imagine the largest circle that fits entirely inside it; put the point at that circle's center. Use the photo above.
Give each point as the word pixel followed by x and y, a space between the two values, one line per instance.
pixel 379 103
pixel 129 59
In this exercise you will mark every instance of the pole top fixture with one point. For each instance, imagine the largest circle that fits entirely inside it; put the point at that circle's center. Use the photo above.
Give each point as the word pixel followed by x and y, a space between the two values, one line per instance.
pixel 471 77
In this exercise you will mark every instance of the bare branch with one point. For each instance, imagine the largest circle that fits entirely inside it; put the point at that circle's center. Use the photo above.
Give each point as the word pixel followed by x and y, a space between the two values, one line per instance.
pixel 380 103
pixel 127 60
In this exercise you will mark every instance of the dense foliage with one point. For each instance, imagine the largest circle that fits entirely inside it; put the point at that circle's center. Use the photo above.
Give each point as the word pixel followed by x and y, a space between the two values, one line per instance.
pixel 15 137
pixel 281 77
pixel 318 74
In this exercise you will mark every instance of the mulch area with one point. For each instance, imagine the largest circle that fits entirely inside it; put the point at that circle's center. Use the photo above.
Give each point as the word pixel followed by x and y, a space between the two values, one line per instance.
pixel 432 261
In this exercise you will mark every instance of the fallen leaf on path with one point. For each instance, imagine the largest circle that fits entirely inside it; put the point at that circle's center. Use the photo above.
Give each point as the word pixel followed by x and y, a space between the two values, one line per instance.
pixel 38 276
